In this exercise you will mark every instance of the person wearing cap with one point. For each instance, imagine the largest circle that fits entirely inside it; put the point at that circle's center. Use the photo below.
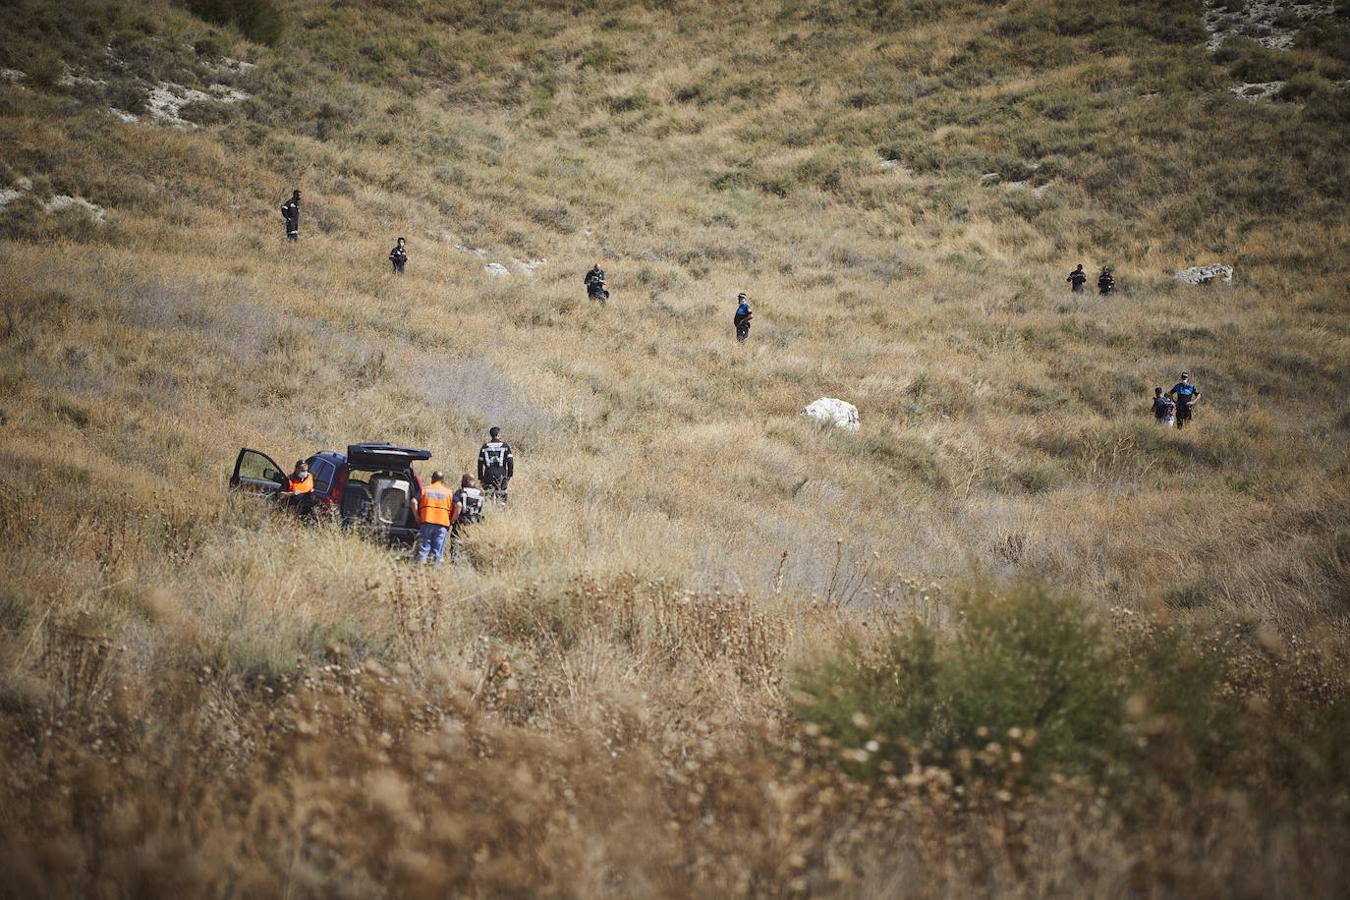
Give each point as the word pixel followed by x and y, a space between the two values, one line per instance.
pixel 742 318
pixel 1163 408
pixel 290 211
pixel 436 512
pixel 399 256
pixel 1185 394
pixel 1077 278
pixel 1106 282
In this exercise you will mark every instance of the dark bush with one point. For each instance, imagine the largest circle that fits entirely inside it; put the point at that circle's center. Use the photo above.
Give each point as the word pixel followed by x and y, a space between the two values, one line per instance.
pixel 258 20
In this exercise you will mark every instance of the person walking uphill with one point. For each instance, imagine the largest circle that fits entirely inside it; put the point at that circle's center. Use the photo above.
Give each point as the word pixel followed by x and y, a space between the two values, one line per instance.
pixel 436 512
pixel 1185 394
pixel 742 318
pixel 399 256
pixel 290 211
pixel 496 466
pixel 1077 278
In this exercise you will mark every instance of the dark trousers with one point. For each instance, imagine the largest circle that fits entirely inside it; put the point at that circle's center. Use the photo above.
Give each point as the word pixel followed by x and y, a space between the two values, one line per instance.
pixel 497 489
pixel 398 266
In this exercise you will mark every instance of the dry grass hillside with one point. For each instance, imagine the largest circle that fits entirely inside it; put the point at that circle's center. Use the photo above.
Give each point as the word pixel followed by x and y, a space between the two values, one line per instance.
pixel 1008 638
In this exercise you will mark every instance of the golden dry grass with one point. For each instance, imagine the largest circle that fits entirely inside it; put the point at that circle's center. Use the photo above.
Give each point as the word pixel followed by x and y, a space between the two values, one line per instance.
pixel 200 697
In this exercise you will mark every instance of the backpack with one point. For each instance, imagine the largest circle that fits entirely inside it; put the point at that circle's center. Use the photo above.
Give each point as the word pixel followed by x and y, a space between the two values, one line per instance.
pixel 471 505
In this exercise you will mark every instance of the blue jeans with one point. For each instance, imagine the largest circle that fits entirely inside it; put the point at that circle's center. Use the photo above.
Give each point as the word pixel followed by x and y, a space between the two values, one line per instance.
pixel 431 539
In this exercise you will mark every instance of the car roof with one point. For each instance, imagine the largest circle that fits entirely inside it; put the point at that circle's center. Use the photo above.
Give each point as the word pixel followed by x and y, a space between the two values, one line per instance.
pixel 382 454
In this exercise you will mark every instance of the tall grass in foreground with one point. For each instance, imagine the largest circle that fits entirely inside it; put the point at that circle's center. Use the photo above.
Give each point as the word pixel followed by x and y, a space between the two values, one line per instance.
pixel 1020 750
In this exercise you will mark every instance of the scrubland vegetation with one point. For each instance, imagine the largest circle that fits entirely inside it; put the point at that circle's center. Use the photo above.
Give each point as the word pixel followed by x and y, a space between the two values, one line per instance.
pixel 1008 638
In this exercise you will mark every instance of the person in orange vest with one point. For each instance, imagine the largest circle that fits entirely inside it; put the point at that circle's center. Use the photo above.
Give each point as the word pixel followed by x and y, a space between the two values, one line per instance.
pixel 300 481
pixel 436 511
pixel 299 487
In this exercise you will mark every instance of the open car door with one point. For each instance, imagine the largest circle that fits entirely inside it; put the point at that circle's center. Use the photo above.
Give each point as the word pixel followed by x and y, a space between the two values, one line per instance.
pixel 257 473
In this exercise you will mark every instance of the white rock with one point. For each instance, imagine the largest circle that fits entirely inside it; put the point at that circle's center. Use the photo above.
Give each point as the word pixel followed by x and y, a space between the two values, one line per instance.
pixel 64 201
pixel 8 196
pixel 497 270
pixel 1260 90
pixel 121 115
pixel 990 178
pixel 839 413
pixel 1257 20
pixel 1205 274
pixel 12 75
pixel 226 94
pixel 166 101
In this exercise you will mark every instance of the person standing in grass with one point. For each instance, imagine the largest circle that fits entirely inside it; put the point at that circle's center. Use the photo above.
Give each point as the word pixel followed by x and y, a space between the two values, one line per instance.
pixel 1077 278
pixel 469 507
pixel 1185 395
pixel 290 211
pixel 496 466
pixel 742 318
pixel 597 286
pixel 436 512
pixel 1106 282
pixel 399 256
pixel 1163 408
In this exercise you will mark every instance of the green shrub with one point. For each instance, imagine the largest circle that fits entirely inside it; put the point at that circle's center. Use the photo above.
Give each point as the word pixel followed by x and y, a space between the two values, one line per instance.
pixel 1303 86
pixel 1030 663
pixel 1030 683
pixel 628 102
pixel 258 20
pixel 46 69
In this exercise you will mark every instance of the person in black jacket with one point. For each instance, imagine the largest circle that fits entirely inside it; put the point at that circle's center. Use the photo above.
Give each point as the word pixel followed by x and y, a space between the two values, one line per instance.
pixel 597 287
pixel 290 211
pixel 399 256
pixel 1077 278
pixel 1106 282
pixel 496 466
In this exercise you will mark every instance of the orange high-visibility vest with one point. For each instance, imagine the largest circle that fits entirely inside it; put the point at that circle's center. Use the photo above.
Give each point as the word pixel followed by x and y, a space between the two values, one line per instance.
pixel 302 485
pixel 436 505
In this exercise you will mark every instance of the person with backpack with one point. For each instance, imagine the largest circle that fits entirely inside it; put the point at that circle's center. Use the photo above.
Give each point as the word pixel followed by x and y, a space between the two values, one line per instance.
pixel 1185 394
pixel 469 508
pixel 399 256
pixel 1106 282
pixel 496 466
pixel 1163 408
pixel 1077 278
pixel 290 211
pixel 742 318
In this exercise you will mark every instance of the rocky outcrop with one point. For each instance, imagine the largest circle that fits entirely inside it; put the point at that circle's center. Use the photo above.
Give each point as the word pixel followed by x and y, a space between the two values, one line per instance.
pixel 828 410
pixel 1205 274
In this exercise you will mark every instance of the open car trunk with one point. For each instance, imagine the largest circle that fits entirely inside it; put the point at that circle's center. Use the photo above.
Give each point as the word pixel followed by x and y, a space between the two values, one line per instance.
pixel 380 487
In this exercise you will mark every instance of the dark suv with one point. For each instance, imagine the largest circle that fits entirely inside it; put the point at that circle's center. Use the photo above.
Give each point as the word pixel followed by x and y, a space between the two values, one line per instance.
pixel 369 487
